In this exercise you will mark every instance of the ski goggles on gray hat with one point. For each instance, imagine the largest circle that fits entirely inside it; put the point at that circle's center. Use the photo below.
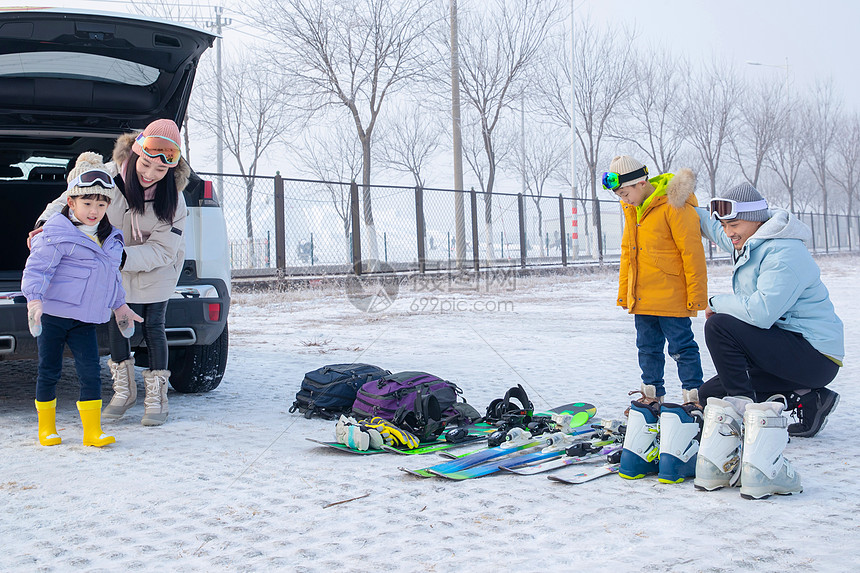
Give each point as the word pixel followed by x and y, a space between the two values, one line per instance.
pixel 728 209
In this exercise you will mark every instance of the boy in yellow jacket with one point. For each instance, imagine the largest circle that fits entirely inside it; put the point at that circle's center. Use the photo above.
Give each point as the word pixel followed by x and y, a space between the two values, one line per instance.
pixel 662 282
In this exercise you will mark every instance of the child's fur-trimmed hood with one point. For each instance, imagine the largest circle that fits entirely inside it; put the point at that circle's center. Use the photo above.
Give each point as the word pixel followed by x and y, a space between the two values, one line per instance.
pixel 122 151
pixel 682 189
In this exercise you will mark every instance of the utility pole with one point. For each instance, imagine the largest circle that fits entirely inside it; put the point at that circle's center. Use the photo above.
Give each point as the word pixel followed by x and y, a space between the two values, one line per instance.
pixel 459 212
pixel 523 138
pixel 574 232
pixel 219 23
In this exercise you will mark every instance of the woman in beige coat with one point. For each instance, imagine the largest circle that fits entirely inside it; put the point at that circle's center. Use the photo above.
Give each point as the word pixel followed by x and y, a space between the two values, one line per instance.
pixel 150 210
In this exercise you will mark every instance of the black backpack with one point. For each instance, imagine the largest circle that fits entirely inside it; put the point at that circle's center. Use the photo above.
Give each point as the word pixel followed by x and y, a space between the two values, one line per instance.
pixel 330 391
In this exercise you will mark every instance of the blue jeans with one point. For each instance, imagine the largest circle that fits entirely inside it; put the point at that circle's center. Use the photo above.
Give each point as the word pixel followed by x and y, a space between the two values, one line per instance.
pixel 652 333
pixel 82 341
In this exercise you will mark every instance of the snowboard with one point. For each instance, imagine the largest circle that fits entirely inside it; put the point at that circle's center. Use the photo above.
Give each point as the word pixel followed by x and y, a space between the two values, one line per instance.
pixel 344 448
pixel 437 446
pixel 477 432
pixel 586 476
pixel 574 415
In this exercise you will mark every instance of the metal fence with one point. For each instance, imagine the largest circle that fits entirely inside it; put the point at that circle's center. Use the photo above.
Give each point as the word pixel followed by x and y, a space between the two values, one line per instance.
pixel 293 227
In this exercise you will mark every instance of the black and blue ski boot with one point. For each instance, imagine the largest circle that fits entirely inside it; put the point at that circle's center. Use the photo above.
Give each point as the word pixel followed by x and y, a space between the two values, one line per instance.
pixel 641 450
pixel 680 432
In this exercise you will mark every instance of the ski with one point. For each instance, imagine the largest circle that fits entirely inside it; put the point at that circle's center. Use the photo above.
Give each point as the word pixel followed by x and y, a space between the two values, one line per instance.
pixel 586 476
pixel 528 469
pixel 519 440
pixel 555 446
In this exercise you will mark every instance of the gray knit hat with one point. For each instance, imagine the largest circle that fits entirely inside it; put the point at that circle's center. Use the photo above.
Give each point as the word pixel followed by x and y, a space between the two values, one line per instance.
pixel 746 193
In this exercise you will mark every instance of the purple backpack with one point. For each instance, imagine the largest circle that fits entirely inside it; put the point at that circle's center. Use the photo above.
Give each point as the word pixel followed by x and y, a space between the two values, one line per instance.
pixel 415 401
pixel 398 392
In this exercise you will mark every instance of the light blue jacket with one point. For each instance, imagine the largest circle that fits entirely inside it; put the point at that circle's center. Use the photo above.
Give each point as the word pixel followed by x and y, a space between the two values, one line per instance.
pixel 776 281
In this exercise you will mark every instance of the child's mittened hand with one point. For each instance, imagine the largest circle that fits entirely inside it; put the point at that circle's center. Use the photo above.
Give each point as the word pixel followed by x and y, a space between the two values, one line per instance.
pixel 34 317
pixel 125 319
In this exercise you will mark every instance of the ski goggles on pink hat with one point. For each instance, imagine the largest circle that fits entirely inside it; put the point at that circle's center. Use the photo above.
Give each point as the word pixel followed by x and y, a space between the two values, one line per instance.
pixel 92 177
pixel 728 209
pixel 613 181
pixel 159 147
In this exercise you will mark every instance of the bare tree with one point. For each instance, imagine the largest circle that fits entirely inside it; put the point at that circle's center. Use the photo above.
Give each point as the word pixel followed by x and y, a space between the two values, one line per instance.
pixel 846 165
pixel 497 46
pixel 788 152
pixel 652 124
pixel 603 80
pixel 335 157
pixel 409 141
pixel 761 114
pixel 708 116
pixel 351 53
pixel 172 10
pixel 821 132
pixel 541 161
pixel 177 12
pixel 256 117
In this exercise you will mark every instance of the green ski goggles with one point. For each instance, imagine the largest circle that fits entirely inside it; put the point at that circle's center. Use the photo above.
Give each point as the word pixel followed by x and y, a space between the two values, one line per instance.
pixel 613 181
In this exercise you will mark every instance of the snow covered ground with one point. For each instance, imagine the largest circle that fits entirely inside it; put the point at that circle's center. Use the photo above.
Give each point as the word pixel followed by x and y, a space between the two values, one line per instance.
pixel 231 484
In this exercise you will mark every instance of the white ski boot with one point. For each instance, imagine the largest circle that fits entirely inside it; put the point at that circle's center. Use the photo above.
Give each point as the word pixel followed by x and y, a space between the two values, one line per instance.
pixel 765 470
pixel 718 463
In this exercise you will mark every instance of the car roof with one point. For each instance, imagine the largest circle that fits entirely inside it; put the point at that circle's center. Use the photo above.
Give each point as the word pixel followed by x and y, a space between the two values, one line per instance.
pixel 73 73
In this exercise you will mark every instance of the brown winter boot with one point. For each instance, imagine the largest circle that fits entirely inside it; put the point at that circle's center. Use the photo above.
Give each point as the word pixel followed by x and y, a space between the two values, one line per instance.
pixel 155 402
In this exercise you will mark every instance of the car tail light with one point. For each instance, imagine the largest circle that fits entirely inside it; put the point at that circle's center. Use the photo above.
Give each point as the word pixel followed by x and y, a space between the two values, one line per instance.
pixel 214 311
pixel 207 191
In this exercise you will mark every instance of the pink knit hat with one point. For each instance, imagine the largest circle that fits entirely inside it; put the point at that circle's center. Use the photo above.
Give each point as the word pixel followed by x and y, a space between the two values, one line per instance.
pixel 161 127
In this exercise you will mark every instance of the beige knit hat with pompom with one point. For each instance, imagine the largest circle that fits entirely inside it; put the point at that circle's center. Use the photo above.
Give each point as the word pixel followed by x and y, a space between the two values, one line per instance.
pixel 89 161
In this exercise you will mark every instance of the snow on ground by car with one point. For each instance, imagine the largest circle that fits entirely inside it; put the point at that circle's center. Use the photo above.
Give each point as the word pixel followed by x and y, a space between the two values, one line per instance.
pixel 231 484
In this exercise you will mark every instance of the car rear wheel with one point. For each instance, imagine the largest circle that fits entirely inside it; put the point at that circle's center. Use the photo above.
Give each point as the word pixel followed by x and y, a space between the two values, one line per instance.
pixel 198 368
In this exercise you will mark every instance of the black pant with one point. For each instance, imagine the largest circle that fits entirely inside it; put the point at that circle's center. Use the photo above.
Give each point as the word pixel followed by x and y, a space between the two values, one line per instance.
pixel 83 342
pixel 153 333
pixel 757 362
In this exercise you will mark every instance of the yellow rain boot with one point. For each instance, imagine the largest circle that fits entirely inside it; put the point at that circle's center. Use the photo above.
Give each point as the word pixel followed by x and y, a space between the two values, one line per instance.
pixel 48 435
pixel 91 418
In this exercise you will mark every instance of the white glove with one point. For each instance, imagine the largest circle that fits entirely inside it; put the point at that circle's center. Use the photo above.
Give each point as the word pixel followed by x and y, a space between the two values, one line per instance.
pixel 34 317
pixel 125 319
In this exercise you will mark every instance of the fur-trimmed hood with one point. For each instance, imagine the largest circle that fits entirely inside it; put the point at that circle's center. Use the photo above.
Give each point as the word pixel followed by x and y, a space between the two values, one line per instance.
pixel 122 151
pixel 682 189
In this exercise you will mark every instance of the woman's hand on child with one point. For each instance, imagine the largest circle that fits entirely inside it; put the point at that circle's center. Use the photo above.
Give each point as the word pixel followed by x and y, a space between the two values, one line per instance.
pixel 32 234
pixel 34 317
pixel 125 319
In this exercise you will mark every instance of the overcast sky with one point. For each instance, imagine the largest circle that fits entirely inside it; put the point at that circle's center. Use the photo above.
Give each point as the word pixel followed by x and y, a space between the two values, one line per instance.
pixel 818 38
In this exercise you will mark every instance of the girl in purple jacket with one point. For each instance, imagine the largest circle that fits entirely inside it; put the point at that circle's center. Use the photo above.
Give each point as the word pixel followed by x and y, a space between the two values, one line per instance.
pixel 72 282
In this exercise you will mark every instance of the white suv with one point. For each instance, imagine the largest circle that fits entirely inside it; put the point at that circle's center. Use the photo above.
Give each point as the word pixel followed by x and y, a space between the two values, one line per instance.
pixel 72 81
